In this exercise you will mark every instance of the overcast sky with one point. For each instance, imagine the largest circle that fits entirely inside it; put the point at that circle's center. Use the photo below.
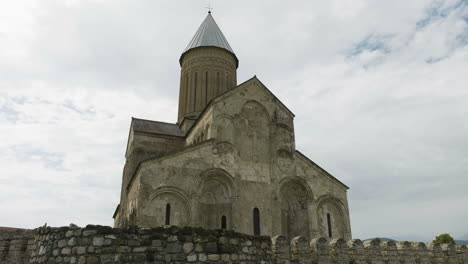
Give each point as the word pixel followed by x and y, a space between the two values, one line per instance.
pixel 379 89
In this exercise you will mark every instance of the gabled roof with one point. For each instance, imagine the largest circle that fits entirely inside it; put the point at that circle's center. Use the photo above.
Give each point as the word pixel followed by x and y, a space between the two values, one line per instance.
pixel 156 127
pixel 209 35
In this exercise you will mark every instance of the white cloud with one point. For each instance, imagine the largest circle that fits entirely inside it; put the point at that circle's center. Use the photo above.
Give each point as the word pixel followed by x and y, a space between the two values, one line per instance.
pixel 378 89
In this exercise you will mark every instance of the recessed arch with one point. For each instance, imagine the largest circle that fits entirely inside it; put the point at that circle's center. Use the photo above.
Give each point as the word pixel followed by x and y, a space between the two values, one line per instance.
pixel 215 190
pixel 258 105
pixel 332 217
pixel 295 195
pixel 215 174
pixel 168 204
pixel 300 181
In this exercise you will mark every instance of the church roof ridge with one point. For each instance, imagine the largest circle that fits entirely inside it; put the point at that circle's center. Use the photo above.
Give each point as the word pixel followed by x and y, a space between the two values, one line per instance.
pixel 209 35
pixel 156 127
pixel 155 121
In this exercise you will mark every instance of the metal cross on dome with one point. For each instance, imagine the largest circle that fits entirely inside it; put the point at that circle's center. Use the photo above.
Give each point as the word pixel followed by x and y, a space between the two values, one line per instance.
pixel 209 8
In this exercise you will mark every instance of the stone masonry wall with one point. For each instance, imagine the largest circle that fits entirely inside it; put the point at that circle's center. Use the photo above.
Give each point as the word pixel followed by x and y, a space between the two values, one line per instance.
pixel 16 247
pixel 102 244
pixel 323 251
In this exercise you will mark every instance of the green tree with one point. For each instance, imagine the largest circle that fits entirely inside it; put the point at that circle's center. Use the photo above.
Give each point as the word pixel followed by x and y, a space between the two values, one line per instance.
pixel 444 238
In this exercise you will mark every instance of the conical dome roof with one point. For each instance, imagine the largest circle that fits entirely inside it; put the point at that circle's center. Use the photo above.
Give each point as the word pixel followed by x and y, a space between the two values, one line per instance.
pixel 209 35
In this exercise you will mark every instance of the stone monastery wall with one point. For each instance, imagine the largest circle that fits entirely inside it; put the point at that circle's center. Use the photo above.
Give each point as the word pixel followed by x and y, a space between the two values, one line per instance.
pixel 16 247
pixel 101 244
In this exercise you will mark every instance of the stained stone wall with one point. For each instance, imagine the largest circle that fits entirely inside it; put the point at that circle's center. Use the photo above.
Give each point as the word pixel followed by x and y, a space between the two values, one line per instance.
pixel 323 251
pixel 102 244
pixel 16 247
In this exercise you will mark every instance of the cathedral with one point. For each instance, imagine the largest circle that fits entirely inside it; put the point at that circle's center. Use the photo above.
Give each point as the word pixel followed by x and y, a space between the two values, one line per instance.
pixel 230 161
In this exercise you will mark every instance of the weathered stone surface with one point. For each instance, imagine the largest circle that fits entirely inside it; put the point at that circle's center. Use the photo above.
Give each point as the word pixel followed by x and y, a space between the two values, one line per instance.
pixel 44 249
pixel 192 257
pixel 202 257
pixel 89 232
pixel 98 241
pixel 213 257
pixel 174 247
pixel 188 247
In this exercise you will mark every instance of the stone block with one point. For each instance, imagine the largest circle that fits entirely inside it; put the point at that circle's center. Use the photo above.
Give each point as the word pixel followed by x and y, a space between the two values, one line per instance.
pixel 62 243
pixel 188 247
pixel 234 241
pixel 122 249
pixel 66 251
pixel 213 257
pixel 93 260
pixel 202 257
pixel 174 247
pixel 134 243
pixel 225 257
pixel 89 232
pixel 98 241
pixel 140 249
pixel 198 247
pixel 81 250
pixel 211 247
pixel 172 239
pixel 82 260
pixel 156 243
pixel 72 242
pixel 192 257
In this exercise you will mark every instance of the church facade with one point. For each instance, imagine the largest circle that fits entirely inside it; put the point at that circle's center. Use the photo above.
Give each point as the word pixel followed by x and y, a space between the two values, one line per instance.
pixel 230 161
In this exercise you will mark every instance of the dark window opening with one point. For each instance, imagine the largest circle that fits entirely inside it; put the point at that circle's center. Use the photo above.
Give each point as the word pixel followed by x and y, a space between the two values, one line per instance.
pixel 217 84
pixel 186 94
pixel 256 221
pixel 329 225
pixel 223 222
pixel 195 91
pixel 168 214
pixel 206 87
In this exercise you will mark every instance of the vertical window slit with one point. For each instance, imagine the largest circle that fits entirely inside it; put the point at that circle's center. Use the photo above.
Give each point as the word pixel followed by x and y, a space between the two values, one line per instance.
pixel 186 94
pixel 228 79
pixel 329 225
pixel 223 222
pixel 217 84
pixel 195 90
pixel 256 221
pixel 168 214
pixel 206 87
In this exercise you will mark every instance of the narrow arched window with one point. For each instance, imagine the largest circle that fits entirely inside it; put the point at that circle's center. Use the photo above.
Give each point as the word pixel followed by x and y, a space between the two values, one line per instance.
pixel 217 84
pixel 329 225
pixel 256 221
pixel 168 214
pixel 228 78
pixel 187 93
pixel 206 87
pixel 223 222
pixel 195 107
